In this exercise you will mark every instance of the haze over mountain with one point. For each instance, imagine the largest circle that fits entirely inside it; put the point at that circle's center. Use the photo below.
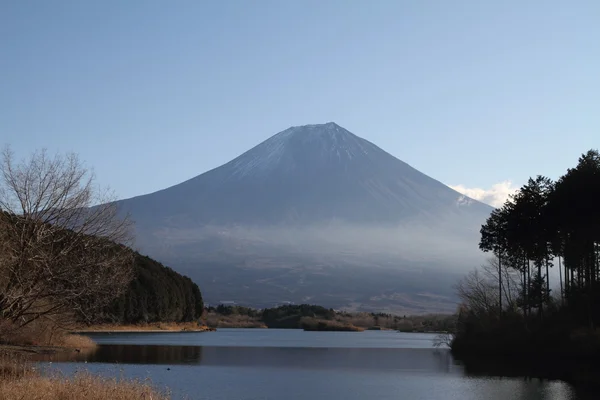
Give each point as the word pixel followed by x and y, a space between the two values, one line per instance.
pixel 308 214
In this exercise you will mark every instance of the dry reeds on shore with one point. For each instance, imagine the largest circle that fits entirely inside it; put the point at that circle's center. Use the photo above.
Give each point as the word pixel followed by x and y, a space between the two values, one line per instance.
pixel 72 341
pixel 42 333
pixel 14 366
pixel 20 380
pixel 82 386
pixel 145 327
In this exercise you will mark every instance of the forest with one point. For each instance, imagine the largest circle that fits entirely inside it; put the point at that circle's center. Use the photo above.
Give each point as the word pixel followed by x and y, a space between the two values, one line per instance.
pixel 511 307
pixel 155 294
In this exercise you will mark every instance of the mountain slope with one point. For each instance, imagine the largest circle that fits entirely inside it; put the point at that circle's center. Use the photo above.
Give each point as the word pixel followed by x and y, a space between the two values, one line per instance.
pixel 303 175
pixel 314 212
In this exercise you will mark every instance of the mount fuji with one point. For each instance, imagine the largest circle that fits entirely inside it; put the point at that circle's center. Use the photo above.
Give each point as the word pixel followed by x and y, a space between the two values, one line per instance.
pixel 315 214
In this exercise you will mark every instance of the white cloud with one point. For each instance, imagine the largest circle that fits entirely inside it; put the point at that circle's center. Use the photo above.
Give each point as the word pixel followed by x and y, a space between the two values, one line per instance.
pixel 494 196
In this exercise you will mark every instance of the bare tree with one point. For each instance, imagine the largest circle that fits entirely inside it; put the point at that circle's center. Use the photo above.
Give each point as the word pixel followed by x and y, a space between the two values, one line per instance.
pixel 62 241
pixel 480 292
pixel 443 339
pixel 510 280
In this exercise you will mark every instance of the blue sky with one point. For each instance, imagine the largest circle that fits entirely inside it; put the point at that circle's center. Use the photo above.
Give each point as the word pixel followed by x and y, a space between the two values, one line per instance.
pixel 151 93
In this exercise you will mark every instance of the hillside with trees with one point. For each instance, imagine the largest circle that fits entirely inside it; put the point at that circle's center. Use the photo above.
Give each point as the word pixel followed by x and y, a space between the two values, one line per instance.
pixel 64 255
pixel 510 308
pixel 313 317
pixel 156 294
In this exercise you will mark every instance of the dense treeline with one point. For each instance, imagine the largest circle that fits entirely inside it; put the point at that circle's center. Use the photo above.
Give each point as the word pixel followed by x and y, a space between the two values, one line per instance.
pixel 545 225
pixel 290 316
pixel 156 294
pixel 313 317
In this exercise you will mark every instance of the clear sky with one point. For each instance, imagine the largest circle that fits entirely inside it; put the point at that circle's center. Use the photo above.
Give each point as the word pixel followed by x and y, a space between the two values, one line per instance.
pixel 151 93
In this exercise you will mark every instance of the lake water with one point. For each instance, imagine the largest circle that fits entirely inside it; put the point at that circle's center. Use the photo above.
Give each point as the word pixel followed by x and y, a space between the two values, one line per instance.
pixel 269 364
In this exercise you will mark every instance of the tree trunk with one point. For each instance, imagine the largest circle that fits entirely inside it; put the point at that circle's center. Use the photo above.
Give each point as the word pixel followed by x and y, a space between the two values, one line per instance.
pixel 500 281
pixel 540 293
pixel 547 281
pixel 528 287
pixel 592 285
pixel 562 295
pixel 524 292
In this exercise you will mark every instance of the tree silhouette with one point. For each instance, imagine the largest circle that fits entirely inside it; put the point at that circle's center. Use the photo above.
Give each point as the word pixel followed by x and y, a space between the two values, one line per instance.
pixel 546 220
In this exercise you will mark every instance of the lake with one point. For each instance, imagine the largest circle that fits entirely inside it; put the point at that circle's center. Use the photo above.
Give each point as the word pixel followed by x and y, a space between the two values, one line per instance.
pixel 271 364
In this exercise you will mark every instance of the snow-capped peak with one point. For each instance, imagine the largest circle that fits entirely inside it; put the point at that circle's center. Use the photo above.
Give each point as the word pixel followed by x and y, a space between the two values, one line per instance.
pixel 295 145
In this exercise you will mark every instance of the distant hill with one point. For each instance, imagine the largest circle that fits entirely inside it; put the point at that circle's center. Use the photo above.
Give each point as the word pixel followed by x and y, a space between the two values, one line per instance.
pixel 310 208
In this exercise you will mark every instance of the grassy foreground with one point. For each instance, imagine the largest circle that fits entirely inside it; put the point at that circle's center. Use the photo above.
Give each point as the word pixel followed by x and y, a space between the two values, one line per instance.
pixel 20 380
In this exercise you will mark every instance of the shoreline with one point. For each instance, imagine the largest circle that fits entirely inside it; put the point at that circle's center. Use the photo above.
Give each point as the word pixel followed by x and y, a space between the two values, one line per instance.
pixel 32 350
pixel 85 345
pixel 576 372
pixel 143 328
pixel 570 361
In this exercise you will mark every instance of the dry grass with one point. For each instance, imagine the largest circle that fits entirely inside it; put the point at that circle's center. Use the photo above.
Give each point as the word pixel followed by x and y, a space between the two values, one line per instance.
pixel 81 386
pixel 72 341
pixel 14 366
pixel 150 327
pixel 41 333
pixel 20 381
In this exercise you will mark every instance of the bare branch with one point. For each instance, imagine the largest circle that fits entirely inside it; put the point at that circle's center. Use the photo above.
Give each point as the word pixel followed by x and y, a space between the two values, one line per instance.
pixel 479 289
pixel 62 240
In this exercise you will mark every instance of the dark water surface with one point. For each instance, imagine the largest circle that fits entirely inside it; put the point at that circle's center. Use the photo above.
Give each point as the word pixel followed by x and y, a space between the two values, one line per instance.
pixel 236 364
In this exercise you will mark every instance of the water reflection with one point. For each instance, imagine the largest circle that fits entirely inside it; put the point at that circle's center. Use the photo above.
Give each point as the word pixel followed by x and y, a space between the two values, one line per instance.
pixel 528 372
pixel 348 373
pixel 130 354
pixel 439 361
